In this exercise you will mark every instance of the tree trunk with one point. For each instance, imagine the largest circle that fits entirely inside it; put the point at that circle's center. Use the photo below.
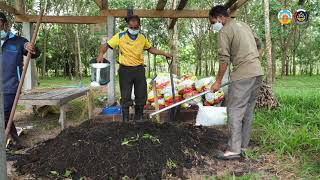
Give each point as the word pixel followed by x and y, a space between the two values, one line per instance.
pixel 155 63
pixel 274 64
pixel 268 42
pixel 212 73
pixel 294 63
pixel 207 66
pixel 200 64
pixel 149 66
pixel 78 63
pixel 44 53
pixel 311 69
pixel 287 65
pixel 175 45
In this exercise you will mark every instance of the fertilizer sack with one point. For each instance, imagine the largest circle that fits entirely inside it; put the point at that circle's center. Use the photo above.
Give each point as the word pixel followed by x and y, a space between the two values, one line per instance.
pixel 210 116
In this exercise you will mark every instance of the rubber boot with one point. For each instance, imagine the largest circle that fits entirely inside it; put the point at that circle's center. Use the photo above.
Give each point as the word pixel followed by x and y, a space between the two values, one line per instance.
pixel 138 116
pixel 125 115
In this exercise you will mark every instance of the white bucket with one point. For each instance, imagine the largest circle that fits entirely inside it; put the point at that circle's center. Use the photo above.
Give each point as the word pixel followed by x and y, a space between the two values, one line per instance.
pixel 210 116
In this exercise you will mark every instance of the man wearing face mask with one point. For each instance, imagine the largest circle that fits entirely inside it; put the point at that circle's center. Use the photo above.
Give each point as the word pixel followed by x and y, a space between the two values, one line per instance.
pixel 238 45
pixel 13 50
pixel 131 45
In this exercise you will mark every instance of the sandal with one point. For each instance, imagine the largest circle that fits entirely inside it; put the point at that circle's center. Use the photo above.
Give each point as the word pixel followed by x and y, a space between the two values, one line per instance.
pixel 224 156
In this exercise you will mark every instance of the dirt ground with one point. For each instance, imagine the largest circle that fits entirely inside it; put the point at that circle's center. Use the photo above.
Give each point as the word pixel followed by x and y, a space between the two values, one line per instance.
pixel 98 151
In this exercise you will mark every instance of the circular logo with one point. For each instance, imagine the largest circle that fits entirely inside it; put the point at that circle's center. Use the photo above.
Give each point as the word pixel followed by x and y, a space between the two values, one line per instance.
pixel 285 16
pixel 301 16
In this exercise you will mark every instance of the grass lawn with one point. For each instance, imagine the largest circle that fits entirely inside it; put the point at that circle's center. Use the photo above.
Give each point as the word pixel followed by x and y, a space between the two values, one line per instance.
pixel 292 131
pixel 60 82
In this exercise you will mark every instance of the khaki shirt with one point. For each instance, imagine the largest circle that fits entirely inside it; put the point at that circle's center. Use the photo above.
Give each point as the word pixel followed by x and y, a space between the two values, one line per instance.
pixel 237 45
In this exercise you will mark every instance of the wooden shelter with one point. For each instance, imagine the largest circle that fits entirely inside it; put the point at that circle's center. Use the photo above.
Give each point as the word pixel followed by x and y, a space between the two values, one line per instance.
pixel 106 15
pixel 109 15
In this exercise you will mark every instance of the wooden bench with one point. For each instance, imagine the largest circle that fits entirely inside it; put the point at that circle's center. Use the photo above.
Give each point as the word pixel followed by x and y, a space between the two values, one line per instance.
pixel 58 97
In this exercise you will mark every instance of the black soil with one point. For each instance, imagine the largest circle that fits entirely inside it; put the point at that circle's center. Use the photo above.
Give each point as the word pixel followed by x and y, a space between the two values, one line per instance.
pixel 99 151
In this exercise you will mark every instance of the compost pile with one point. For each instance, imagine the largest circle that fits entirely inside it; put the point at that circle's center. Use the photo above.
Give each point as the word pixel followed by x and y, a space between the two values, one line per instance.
pixel 265 98
pixel 115 150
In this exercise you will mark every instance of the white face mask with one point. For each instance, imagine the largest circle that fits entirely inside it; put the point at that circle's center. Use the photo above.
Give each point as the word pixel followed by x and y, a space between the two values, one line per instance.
pixel 133 32
pixel 3 34
pixel 217 26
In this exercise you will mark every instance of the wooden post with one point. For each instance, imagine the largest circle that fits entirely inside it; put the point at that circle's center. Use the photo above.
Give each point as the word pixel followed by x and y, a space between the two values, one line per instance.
pixel 111 58
pixel 268 42
pixel 90 105
pixel 3 160
pixel 62 117
pixel 30 81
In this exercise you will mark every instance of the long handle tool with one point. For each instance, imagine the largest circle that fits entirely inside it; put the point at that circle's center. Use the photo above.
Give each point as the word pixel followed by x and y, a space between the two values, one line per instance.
pixel 24 71
pixel 184 101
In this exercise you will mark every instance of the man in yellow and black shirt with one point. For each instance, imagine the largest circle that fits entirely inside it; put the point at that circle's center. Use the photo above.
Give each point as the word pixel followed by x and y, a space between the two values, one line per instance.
pixel 131 43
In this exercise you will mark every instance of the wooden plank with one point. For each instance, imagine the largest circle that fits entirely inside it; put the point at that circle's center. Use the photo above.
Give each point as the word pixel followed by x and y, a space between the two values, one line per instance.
pixel 66 93
pixel 114 13
pixel 167 13
pixel 180 7
pixel 39 96
pixel 71 97
pixel 62 19
pixel 161 5
pixel 44 95
pixel 53 95
pixel 10 9
pixel 39 102
pixel 103 4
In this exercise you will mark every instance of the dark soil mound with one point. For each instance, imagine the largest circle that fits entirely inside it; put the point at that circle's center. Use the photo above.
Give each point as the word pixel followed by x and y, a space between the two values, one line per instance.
pixel 101 151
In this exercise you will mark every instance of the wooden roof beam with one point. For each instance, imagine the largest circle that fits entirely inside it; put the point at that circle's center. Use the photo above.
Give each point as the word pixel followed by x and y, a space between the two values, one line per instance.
pixel 229 3
pixel 157 14
pixel 103 4
pixel 180 7
pixel 115 13
pixel 10 9
pixel 161 5
pixel 234 7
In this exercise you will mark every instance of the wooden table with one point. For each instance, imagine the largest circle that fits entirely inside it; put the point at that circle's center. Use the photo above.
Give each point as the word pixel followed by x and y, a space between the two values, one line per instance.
pixel 58 97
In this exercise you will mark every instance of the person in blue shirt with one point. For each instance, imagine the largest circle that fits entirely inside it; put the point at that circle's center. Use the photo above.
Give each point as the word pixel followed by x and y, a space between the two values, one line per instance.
pixel 13 49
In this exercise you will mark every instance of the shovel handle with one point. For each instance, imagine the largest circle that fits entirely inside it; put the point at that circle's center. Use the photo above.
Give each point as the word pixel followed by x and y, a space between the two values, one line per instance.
pixel 184 101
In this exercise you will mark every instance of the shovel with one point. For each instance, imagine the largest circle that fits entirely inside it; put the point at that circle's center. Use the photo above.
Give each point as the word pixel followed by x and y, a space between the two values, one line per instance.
pixel 176 110
pixel 184 101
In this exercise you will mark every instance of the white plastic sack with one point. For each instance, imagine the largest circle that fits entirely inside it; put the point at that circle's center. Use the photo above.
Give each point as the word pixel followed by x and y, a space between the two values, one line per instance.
pixel 168 89
pixel 204 83
pixel 210 116
pixel 185 84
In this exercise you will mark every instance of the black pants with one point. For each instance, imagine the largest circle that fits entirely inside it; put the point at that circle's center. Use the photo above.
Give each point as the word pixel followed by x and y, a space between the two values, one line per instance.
pixel 132 76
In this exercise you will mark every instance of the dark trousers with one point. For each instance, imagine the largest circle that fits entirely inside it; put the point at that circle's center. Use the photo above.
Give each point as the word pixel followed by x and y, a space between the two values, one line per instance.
pixel 8 102
pixel 129 77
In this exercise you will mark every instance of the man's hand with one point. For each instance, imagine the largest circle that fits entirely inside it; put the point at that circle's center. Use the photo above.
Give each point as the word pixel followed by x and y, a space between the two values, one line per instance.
pixel 216 86
pixel 100 58
pixel 30 47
